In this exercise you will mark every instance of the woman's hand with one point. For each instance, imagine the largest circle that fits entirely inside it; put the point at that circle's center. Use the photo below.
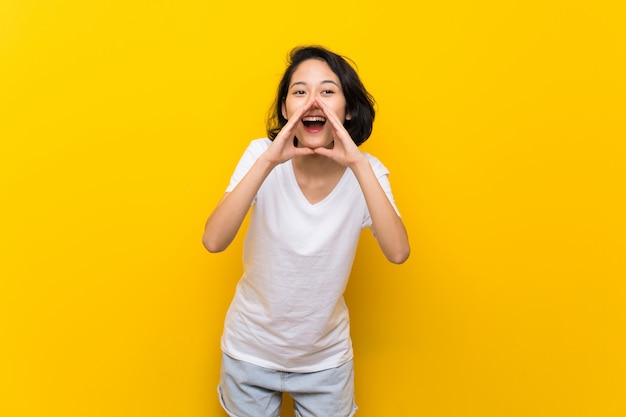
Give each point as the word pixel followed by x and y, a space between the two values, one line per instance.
pixel 344 150
pixel 282 148
pixel 386 224
pixel 224 222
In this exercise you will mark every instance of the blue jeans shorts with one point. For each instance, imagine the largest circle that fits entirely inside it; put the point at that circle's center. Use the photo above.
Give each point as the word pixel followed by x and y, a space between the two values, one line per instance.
pixel 248 390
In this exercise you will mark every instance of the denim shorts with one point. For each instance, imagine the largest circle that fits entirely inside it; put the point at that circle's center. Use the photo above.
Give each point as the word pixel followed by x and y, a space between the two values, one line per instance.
pixel 248 390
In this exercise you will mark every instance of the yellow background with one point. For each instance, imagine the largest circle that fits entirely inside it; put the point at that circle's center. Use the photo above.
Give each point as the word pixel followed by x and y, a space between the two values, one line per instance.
pixel 502 122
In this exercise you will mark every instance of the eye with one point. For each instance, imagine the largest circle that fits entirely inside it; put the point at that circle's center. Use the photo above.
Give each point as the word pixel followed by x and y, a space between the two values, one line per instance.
pixel 298 92
pixel 328 92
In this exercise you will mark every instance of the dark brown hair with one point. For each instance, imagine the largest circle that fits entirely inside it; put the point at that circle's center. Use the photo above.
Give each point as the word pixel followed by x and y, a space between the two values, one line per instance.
pixel 359 103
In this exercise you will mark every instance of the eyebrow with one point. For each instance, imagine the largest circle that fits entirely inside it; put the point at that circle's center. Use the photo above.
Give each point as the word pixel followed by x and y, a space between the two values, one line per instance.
pixel 323 82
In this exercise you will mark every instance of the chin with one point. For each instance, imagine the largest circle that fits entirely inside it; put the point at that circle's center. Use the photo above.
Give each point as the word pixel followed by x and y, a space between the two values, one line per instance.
pixel 314 142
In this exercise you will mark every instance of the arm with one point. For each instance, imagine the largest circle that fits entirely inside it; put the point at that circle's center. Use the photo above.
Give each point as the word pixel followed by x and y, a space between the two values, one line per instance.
pixel 224 223
pixel 388 227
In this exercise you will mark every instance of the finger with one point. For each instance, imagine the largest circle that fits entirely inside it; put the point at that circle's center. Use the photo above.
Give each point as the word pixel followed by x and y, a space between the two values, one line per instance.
pixel 324 152
pixel 297 116
pixel 340 131
pixel 331 116
pixel 305 108
pixel 303 151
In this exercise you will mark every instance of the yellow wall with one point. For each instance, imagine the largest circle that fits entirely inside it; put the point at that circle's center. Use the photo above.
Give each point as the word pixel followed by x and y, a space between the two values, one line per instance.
pixel 503 123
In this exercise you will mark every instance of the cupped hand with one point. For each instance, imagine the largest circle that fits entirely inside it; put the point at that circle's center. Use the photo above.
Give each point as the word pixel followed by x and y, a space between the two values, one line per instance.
pixel 344 150
pixel 282 148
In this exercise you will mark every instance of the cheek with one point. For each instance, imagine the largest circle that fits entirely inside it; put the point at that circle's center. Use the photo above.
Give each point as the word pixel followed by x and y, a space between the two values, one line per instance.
pixel 340 111
pixel 289 108
pixel 338 107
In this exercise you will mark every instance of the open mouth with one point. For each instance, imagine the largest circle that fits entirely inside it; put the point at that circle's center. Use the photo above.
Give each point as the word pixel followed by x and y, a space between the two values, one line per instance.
pixel 313 122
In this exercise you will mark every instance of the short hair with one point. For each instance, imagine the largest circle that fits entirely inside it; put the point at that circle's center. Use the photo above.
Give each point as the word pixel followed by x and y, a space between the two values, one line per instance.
pixel 359 103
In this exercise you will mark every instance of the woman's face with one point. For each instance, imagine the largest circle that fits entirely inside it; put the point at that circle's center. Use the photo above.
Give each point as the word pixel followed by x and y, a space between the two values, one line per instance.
pixel 313 79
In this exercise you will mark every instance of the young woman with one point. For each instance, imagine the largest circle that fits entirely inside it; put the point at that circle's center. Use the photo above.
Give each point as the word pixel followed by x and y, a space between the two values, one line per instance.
pixel 312 192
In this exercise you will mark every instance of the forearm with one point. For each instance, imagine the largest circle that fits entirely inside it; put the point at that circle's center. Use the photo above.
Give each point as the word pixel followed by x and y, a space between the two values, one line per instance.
pixel 224 223
pixel 387 225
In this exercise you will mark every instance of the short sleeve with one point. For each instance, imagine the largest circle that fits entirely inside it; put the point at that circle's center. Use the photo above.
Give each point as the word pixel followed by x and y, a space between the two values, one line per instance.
pixel 382 174
pixel 251 154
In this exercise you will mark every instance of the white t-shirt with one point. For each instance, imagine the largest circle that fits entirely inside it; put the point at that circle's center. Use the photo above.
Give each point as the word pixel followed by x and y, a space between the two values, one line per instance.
pixel 288 312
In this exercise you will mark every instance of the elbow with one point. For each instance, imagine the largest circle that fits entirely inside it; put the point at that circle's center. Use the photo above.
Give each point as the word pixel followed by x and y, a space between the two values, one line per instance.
pixel 400 256
pixel 212 246
pixel 399 252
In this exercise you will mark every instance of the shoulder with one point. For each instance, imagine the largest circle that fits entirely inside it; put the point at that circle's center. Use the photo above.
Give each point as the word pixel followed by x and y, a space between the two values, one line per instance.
pixel 263 143
pixel 254 149
pixel 377 166
pixel 258 146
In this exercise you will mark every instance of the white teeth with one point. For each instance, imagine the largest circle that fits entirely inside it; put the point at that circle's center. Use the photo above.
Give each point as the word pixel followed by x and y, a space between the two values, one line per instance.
pixel 314 119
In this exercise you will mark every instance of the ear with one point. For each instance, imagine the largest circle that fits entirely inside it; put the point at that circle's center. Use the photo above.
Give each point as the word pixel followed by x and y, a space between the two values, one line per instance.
pixel 348 114
pixel 283 110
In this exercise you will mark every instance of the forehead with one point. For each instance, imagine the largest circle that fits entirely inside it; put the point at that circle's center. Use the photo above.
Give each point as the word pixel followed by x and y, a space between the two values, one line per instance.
pixel 312 70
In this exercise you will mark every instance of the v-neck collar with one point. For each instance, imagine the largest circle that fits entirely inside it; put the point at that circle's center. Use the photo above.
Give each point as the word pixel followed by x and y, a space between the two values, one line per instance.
pixel 300 193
